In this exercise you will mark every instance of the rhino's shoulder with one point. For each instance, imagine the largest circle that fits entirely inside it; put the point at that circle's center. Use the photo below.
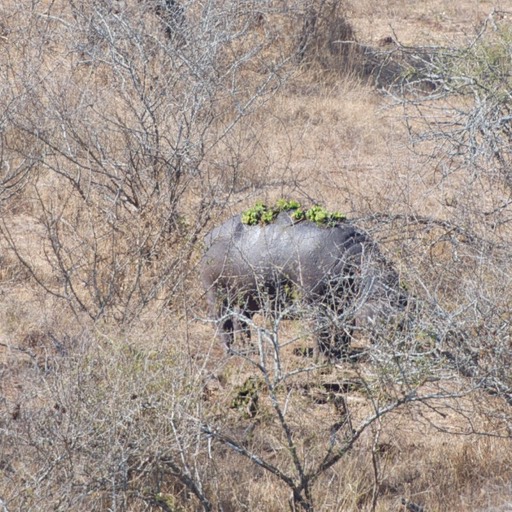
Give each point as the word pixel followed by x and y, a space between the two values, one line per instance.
pixel 229 230
pixel 284 219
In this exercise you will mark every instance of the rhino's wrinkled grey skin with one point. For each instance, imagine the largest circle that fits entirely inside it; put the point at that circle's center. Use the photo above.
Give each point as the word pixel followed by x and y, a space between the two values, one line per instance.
pixel 336 273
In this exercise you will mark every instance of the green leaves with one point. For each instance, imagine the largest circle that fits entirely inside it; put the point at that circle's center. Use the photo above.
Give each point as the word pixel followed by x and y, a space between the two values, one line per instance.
pixel 283 205
pixel 262 214
pixel 298 215
pixel 254 215
pixel 321 216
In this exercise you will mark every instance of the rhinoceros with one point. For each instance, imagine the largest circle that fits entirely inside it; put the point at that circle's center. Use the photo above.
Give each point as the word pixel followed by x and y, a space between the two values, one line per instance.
pixel 335 273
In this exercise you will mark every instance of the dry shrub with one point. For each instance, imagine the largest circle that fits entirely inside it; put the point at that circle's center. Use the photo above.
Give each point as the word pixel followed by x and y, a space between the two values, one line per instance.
pixel 142 138
pixel 110 423
pixel 117 422
pixel 327 38
pixel 124 136
pixel 453 473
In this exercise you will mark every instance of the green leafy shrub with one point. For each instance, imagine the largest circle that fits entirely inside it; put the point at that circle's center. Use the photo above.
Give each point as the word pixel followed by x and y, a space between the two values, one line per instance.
pixel 247 396
pixel 321 216
pixel 269 216
pixel 283 205
pixel 299 214
pixel 254 215
pixel 262 214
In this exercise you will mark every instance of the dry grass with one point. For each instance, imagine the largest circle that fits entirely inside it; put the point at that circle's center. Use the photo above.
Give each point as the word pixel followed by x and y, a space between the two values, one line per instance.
pixel 109 371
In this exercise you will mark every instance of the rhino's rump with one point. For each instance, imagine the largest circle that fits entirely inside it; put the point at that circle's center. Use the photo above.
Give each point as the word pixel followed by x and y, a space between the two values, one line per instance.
pixel 334 275
pixel 303 255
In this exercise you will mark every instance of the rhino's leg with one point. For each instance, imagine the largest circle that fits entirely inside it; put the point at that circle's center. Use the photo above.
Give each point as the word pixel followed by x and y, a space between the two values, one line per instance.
pixel 244 313
pixel 234 323
pixel 226 333
pixel 333 345
pixel 333 338
pixel 219 310
pixel 241 327
pixel 324 338
pixel 342 340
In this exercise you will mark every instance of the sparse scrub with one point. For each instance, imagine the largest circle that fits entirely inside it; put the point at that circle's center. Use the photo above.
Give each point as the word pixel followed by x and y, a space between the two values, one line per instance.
pixel 461 127
pixel 134 164
pixel 94 431
pixel 128 129
pixel 467 115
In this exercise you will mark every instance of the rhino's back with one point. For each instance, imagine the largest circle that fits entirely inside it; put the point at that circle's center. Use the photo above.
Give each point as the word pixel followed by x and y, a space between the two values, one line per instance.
pixel 302 251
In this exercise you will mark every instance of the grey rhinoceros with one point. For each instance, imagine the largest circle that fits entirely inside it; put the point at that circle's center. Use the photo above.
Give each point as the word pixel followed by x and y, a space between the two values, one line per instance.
pixel 334 273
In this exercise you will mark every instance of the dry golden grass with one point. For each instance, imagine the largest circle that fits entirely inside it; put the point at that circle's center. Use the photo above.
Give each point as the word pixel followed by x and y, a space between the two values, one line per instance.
pixel 418 23
pixel 91 408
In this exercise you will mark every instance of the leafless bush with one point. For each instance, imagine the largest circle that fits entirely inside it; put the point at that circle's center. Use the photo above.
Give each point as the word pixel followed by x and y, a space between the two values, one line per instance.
pixel 135 138
pixel 465 117
pixel 93 433
pixel 403 370
pixel 125 132
pixel 459 126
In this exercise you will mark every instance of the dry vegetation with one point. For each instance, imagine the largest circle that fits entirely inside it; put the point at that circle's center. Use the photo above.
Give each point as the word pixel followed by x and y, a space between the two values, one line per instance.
pixel 127 130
